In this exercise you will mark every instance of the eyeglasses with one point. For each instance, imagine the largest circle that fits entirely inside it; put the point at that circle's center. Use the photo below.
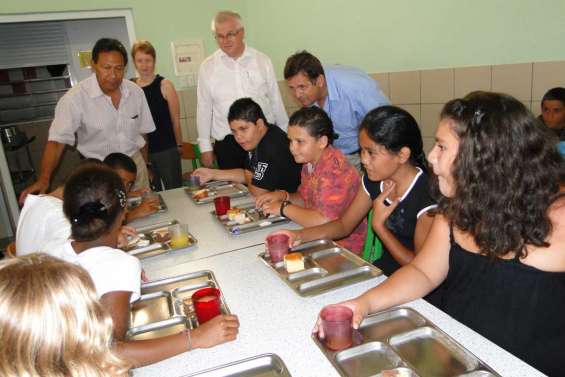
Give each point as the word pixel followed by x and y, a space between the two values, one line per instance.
pixel 229 36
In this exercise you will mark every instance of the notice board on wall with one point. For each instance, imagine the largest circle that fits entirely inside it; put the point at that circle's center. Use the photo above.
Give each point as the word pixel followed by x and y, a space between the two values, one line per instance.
pixel 187 56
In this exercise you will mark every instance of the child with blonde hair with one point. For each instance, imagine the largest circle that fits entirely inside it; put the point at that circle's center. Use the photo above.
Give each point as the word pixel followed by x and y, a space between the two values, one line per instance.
pixel 60 329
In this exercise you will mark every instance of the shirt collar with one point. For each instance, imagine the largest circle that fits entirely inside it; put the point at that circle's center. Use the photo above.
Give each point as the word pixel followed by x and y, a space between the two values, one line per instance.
pixel 93 88
pixel 333 93
pixel 328 154
pixel 247 53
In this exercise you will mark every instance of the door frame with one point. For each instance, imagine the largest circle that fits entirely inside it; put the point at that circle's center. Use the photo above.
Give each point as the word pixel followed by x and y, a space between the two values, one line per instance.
pixel 5 179
pixel 74 15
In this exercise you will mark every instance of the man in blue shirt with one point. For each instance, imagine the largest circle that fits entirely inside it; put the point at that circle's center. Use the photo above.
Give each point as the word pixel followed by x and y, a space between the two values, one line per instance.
pixel 345 93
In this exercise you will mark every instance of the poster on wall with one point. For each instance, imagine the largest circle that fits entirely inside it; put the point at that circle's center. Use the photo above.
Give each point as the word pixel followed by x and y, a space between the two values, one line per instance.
pixel 187 56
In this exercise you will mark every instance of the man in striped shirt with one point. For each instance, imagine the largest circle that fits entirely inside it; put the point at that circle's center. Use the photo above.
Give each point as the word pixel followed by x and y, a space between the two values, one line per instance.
pixel 106 113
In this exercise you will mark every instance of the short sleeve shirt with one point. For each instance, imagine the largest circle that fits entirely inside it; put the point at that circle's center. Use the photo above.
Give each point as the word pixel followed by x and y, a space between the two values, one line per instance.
pixel 111 270
pixel 100 128
pixel 402 221
pixel 272 164
pixel 329 187
pixel 41 220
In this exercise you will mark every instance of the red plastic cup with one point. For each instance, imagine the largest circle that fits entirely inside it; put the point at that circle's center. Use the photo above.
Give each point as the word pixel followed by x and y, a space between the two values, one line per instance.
pixel 337 323
pixel 277 245
pixel 222 204
pixel 206 303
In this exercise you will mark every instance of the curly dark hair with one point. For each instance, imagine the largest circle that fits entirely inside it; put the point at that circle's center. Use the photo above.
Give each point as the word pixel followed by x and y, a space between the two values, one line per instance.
pixel 506 174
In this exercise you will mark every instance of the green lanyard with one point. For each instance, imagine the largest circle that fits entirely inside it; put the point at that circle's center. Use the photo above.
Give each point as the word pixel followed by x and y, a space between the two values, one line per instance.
pixel 373 249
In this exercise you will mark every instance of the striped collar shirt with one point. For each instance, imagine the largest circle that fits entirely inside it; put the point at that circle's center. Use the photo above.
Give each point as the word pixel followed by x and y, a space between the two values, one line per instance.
pixel 100 128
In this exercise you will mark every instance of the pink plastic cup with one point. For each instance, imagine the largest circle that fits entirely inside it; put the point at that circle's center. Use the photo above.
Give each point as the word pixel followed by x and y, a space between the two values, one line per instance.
pixel 337 323
pixel 277 246
pixel 222 204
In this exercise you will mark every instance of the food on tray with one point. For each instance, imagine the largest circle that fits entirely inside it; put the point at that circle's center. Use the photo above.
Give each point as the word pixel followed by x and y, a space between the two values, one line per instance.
pixel 132 240
pixel 161 235
pixel 241 218
pixel 200 194
pixel 233 212
pixel 143 242
pixel 294 262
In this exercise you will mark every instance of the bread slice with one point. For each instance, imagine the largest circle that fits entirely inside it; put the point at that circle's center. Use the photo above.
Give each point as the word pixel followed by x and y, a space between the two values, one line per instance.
pixel 294 262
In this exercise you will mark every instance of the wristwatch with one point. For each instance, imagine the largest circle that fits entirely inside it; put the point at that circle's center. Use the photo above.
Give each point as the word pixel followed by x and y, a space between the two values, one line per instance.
pixel 283 204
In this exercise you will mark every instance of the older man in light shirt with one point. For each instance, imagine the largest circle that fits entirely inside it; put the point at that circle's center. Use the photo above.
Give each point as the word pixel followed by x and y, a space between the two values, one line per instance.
pixel 234 71
pixel 107 114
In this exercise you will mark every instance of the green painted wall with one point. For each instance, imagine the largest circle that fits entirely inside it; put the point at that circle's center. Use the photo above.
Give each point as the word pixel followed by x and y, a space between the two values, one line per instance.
pixel 382 36
pixel 376 35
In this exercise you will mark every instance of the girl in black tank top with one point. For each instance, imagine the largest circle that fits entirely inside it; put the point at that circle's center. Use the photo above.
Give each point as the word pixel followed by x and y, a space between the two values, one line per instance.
pixel 502 185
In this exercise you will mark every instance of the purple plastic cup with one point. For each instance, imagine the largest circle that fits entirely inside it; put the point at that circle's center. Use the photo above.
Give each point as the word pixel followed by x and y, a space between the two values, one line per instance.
pixel 277 246
pixel 337 323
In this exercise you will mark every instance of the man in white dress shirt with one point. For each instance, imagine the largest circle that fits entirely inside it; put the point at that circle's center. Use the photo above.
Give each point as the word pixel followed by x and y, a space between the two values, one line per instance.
pixel 107 113
pixel 234 71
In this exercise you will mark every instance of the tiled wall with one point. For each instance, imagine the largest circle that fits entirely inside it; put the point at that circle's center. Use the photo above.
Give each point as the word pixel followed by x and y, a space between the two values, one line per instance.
pixel 423 93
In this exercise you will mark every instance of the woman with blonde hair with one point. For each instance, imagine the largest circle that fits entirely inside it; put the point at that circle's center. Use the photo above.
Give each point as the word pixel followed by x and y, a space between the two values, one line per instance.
pixel 165 143
pixel 51 323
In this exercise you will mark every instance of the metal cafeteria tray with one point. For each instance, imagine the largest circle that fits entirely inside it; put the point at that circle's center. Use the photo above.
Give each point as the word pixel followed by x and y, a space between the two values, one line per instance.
pixel 136 201
pixel 217 188
pixel 401 342
pixel 327 266
pixel 157 244
pixel 255 220
pixel 266 365
pixel 160 310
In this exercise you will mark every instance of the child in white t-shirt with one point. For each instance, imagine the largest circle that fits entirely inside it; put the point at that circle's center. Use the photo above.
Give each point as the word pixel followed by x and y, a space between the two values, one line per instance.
pixel 41 220
pixel 94 201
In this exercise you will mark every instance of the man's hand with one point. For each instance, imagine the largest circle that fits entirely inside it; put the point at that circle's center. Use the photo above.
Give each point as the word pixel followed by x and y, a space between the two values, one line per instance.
pixel 207 159
pixel 40 186
pixel 205 174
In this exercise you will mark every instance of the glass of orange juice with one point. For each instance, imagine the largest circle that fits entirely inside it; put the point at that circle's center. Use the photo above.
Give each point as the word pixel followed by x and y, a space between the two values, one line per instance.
pixel 179 236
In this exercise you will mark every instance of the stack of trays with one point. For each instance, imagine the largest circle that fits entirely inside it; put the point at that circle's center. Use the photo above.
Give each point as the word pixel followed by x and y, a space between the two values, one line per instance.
pixel 327 266
pixel 154 240
pixel 400 342
pixel 210 190
pixel 254 219
pixel 267 365
pixel 136 201
pixel 161 309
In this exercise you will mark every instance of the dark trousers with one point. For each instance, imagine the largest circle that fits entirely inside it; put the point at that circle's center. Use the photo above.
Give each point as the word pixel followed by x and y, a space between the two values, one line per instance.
pixel 229 154
pixel 166 166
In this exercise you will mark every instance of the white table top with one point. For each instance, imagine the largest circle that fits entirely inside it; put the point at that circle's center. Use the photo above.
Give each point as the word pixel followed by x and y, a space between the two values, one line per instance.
pixel 276 320
pixel 212 238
